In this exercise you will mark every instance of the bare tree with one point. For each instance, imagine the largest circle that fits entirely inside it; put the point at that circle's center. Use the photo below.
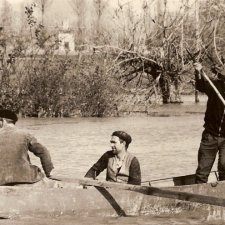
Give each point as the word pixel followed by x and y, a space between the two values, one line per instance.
pixel 162 64
pixel 5 31
pixel 43 5
pixel 79 9
pixel 197 38
pixel 99 6
pixel 6 15
pixel 130 26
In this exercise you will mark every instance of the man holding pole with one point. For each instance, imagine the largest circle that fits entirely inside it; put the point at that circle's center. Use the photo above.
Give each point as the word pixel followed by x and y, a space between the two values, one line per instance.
pixel 213 136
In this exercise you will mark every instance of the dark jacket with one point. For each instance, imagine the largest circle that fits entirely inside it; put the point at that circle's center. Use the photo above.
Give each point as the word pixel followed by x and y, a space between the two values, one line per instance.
pixel 214 115
pixel 15 165
pixel 102 164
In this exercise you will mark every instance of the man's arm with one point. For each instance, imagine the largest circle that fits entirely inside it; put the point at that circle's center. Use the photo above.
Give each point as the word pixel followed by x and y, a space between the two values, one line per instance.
pixel 40 151
pixel 98 167
pixel 134 172
pixel 200 82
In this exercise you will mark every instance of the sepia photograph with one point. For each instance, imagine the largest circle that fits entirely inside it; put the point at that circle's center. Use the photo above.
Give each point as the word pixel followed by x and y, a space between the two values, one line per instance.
pixel 112 112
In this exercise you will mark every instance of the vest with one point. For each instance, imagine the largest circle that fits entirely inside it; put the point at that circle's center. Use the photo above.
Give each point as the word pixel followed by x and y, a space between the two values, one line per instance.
pixel 123 175
pixel 15 166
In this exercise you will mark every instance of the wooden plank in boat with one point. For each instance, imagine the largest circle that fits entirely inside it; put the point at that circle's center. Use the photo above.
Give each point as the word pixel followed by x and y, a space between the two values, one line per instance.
pixel 159 192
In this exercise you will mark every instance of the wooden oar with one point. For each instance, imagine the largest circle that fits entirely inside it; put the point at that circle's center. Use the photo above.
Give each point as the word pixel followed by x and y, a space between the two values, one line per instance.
pixel 184 196
pixel 111 201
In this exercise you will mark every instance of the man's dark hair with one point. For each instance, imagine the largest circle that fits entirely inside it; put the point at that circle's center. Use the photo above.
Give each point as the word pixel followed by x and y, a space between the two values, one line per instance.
pixel 123 136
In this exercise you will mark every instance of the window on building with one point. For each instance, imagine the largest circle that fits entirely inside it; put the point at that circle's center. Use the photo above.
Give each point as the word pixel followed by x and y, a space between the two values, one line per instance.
pixel 67 45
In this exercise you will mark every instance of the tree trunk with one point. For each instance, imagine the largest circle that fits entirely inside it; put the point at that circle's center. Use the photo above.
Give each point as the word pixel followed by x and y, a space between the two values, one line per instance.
pixel 165 88
pixel 197 39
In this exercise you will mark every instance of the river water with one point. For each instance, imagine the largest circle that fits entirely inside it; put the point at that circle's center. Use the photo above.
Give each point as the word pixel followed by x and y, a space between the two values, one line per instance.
pixel 165 147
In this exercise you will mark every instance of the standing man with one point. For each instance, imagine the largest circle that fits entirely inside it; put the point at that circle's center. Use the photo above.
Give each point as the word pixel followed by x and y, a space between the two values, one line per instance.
pixel 213 136
pixel 121 166
pixel 15 165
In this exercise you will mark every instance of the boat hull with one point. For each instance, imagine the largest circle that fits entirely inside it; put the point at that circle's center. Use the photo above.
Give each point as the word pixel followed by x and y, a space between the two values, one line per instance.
pixel 72 199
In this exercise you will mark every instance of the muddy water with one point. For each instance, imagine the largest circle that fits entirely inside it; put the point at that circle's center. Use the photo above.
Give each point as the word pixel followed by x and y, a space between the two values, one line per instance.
pixel 165 147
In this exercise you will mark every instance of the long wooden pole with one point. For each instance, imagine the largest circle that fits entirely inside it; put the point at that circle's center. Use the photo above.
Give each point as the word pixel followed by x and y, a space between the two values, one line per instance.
pixel 147 190
pixel 210 82
pixel 214 88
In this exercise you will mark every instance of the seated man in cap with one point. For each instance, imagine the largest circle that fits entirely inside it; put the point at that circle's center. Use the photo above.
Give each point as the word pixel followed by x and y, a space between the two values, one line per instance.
pixel 121 165
pixel 15 166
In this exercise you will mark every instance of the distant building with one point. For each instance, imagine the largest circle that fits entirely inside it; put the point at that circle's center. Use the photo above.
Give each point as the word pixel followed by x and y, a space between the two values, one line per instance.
pixel 67 44
pixel 66 38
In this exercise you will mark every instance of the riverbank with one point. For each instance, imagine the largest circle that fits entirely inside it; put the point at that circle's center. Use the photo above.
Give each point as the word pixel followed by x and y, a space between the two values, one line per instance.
pixel 179 109
pixel 188 106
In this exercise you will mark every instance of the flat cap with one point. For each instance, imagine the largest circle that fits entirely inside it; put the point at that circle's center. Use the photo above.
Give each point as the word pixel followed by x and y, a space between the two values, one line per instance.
pixel 8 114
pixel 123 136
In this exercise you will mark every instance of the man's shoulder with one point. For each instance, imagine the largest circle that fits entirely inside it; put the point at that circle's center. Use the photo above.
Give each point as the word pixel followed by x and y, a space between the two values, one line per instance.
pixel 22 131
pixel 132 157
pixel 25 133
pixel 10 129
pixel 107 155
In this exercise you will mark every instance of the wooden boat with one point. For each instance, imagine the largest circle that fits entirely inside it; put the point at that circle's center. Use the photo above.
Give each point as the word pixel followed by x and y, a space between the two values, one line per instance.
pixel 69 197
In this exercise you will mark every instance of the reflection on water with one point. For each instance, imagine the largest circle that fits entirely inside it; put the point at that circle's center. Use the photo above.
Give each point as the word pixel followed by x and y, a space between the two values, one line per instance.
pixel 165 146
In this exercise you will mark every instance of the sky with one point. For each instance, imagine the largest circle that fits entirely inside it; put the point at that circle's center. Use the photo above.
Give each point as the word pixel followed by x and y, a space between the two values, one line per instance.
pixel 60 4
pixel 61 11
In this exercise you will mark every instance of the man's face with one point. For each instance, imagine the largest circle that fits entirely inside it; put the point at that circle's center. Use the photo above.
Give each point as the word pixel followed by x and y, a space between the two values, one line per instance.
pixel 117 145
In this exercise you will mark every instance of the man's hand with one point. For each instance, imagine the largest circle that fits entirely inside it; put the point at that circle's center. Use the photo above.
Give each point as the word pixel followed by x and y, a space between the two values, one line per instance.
pixel 198 70
pixel 50 174
pixel 198 66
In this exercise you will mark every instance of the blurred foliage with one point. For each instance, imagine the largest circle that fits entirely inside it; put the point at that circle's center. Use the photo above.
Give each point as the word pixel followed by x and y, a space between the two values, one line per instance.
pixel 37 82
pixel 151 60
